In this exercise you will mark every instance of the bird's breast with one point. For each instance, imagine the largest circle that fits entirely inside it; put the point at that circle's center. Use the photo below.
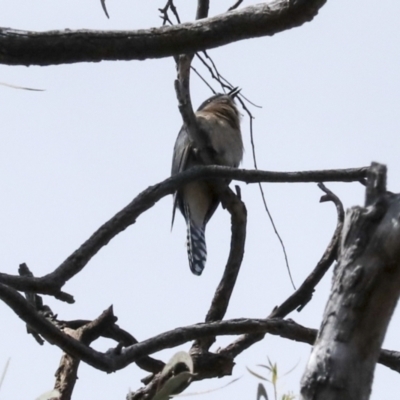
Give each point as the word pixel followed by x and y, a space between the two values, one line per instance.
pixel 225 140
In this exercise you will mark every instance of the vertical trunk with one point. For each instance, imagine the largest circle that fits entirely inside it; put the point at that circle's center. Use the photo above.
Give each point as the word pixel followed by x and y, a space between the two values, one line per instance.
pixel 365 290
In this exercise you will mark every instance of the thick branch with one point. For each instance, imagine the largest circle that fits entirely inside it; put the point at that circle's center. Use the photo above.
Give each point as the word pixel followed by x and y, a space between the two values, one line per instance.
pixel 64 47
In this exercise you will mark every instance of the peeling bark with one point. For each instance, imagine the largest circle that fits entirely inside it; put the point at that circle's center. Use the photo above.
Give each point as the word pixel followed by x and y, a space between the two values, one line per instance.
pixel 365 291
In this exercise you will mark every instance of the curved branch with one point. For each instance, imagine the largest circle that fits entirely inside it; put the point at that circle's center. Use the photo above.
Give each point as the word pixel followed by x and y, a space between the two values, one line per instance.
pixel 222 295
pixel 51 333
pixel 52 282
pixel 238 212
pixel 304 293
pixel 65 47
pixel 67 372
pixel 114 360
pixel 123 338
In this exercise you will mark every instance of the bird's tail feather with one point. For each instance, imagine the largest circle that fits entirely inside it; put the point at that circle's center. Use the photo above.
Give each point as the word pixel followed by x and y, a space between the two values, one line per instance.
pixel 196 247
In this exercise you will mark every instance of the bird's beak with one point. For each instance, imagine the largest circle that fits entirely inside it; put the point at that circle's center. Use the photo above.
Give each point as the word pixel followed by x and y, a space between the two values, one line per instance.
pixel 234 92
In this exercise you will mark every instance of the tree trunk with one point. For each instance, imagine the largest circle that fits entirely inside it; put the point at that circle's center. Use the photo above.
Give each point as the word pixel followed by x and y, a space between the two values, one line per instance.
pixel 365 290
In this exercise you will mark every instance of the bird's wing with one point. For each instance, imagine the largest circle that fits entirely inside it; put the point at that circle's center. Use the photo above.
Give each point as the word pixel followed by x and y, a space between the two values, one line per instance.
pixel 179 162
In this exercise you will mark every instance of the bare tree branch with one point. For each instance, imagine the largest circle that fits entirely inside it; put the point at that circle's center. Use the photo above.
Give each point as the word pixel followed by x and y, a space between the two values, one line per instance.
pixel 224 290
pixel 65 47
pixel 119 358
pixel 174 11
pixel 164 12
pixel 390 359
pixel 50 332
pixel 236 5
pixel 376 183
pixel 52 282
pixel 304 293
pixel 104 7
pixel 180 336
pixel 202 9
pixel 223 293
pixel 111 331
pixel 264 200
pixel 67 372
pixel 124 339
pixel 182 88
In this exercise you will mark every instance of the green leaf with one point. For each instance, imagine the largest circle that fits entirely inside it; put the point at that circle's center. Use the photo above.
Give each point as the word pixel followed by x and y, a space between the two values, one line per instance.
pixel 257 375
pixel 208 391
pixel 52 395
pixel 179 358
pixel 178 373
pixel 172 386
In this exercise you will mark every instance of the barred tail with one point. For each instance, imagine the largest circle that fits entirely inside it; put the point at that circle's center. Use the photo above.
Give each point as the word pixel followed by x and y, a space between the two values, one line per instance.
pixel 196 247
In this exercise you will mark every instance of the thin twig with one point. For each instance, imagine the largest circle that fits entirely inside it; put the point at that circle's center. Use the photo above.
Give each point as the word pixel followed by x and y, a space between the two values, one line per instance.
pixel 236 5
pixel 164 12
pixel 210 70
pixel 202 12
pixel 215 74
pixel 103 5
pixel 219 77
pixel 263 195
pixel 175 11
pixel 303 294
pixel 201 77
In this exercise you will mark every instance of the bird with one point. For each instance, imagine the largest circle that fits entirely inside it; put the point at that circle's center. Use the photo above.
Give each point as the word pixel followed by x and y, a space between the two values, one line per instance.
pixel 219 119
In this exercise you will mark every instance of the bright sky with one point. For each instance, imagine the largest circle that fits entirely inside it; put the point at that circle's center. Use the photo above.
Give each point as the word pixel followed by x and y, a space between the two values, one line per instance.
pixel 74 155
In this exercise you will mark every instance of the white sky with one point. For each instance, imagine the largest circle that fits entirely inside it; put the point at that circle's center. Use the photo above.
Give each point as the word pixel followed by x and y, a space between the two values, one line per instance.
pixel 74 155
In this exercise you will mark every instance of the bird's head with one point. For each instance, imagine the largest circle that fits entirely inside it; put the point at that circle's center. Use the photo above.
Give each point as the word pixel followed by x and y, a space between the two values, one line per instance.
pixel 220 98
pixel 223 105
